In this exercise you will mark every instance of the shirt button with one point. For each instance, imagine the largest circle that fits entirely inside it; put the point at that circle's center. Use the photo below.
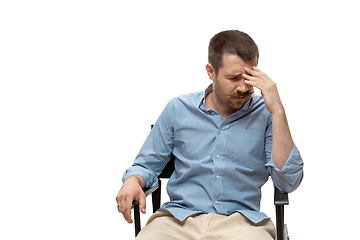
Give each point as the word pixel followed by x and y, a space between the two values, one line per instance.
pixel 216 202
pixel 221 131
pixel 218 156
pixel 217 176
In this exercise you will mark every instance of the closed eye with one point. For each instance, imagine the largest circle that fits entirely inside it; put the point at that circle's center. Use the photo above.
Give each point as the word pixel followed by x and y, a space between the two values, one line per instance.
pixel 235 77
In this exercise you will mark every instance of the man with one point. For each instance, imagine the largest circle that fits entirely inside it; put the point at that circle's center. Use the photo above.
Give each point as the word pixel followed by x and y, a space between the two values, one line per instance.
pixel 226 141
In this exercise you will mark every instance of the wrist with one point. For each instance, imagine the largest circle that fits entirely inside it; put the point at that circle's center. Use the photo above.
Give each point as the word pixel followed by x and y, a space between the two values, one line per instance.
pixel 137 178
pixel 278 112
pixel 277 109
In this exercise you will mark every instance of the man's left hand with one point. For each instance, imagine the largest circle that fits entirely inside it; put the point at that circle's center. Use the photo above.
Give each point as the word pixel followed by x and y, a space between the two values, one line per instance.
pixel 260 80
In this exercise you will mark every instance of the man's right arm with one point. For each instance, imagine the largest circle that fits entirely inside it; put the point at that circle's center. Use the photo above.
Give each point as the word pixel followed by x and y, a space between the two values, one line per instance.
pixel 132 189
pixel 152 158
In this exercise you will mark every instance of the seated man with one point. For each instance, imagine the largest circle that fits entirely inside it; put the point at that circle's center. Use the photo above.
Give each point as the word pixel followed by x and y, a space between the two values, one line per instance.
pixel 225 140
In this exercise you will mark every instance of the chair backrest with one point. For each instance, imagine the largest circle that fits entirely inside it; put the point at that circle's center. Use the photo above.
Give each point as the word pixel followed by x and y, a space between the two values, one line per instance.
pixel 169 169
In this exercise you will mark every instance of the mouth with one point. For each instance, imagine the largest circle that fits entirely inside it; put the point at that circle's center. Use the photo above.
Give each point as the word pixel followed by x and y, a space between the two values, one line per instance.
pixel 240 97
pixel 243 96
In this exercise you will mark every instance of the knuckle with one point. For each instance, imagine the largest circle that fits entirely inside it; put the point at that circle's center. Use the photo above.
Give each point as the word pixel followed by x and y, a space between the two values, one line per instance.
pixel 118 197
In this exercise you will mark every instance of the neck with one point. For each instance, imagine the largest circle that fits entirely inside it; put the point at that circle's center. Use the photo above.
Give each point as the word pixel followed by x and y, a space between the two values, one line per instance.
pixel 211 102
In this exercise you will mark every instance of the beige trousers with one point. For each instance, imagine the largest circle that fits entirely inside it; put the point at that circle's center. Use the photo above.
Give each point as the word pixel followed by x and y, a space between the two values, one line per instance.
pixel 163 226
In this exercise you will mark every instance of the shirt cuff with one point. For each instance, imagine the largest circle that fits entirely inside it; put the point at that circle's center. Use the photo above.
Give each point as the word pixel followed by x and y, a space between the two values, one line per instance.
pixel 150 178
pixel 289 178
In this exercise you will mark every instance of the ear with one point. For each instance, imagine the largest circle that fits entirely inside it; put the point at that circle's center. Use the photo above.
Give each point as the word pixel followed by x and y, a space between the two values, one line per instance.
pixel 210 71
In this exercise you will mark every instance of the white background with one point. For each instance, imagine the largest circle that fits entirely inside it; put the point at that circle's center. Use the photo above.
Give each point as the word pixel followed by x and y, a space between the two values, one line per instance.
pixel 81 82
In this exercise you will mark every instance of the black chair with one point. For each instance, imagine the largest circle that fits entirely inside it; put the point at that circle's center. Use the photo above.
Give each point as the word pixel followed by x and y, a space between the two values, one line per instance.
pixel 280 199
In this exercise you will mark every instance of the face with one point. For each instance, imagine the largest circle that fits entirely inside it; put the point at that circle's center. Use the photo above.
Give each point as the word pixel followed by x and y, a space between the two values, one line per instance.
pixel 230 90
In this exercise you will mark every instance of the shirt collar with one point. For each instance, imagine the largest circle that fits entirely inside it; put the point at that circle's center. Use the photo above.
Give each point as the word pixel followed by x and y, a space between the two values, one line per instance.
pixel 209 90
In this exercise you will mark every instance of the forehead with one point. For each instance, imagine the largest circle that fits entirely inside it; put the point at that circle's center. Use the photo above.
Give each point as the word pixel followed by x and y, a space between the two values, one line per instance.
pixel 234 64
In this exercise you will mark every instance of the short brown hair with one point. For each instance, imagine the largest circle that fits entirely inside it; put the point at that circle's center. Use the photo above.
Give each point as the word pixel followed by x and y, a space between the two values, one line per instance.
pixel 233 42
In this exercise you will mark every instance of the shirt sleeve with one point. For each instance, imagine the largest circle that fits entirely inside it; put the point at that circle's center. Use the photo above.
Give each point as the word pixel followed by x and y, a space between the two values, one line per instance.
pixel 157 149
pixel 289 178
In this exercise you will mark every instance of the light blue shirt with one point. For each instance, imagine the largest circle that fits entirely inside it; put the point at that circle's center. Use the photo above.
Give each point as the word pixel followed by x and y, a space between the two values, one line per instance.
pixel 220 166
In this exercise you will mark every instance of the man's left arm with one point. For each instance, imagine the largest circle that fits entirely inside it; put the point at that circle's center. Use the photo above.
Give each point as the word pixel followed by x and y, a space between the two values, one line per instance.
pixel 282 142
pixel 284 154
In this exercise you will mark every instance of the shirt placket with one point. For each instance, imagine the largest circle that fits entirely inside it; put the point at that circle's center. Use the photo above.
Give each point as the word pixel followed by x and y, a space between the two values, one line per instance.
pixel 218 169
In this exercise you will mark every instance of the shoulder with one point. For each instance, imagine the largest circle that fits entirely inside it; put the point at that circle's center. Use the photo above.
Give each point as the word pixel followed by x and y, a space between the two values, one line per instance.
pixel 258 105
pixel 257 100
pixel 189 99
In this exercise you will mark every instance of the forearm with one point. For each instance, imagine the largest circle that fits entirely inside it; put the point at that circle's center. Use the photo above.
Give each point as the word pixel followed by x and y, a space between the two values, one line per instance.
pixel 282 142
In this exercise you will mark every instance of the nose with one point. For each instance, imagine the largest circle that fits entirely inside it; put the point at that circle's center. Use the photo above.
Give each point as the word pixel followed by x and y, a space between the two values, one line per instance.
pixel 242 87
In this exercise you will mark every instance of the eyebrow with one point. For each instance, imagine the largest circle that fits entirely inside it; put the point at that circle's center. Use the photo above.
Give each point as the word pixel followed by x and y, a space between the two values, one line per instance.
pixel 236 75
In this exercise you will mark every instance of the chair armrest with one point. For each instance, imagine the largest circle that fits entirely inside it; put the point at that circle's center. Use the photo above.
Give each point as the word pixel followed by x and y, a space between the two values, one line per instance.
pixel 147 192
pixel 280 197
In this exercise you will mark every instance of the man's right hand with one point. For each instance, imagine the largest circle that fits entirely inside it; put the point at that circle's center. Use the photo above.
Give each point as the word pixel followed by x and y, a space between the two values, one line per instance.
pixel 131 190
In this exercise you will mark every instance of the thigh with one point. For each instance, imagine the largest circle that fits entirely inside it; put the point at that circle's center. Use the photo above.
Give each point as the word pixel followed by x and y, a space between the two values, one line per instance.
pixel 238 227
pixel 162 225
